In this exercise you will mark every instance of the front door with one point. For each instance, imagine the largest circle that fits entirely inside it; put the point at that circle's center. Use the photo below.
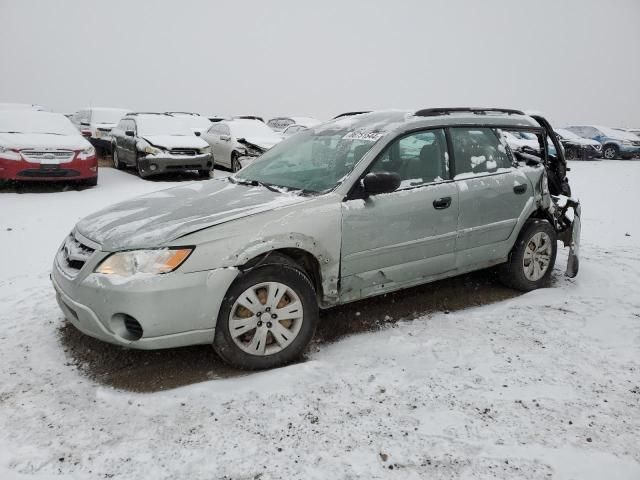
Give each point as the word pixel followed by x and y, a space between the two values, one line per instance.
pixel 493 194
pixel 408 236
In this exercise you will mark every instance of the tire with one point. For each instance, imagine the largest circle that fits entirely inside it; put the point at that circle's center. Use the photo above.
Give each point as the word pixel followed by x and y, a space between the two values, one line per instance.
pixel 235 163
pixel 610 152
pixel 523 275
pixel 204 173
pixel 116 158
pixel 91 182
pixel 274 347
pixel 141 172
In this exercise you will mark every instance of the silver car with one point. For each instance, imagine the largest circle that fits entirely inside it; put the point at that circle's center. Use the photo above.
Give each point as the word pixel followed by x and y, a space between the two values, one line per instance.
pixel 341 212
pixel 237 142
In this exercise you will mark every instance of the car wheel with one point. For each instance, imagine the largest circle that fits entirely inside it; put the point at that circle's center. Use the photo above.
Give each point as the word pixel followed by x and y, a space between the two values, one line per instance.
pixel 235 163
pixel 267 317
pixel 91 182
pixel 141 172
pixel 610 152
pixel 204 173
pixel 570 154
pixel 532 258
pixel 116 158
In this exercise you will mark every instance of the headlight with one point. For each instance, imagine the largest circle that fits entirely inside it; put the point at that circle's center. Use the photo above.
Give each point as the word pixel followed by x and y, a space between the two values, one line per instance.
pixel 87 153
pixel 8 154
pixel 627 142
pixel 145 147
pixel 205 150
pixel 125 264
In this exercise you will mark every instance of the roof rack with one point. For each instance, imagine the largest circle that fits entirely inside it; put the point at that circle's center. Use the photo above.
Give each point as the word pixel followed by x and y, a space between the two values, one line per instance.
pixel 183 113
pixel 433 112
pixel 350 114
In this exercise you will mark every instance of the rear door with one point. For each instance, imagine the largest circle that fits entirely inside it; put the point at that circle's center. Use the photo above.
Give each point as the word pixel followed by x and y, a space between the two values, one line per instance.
pixel 406 236
pixel 493 193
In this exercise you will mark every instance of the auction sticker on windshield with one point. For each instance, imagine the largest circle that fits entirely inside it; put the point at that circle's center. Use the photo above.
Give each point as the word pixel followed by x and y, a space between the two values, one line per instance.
pixel 368 135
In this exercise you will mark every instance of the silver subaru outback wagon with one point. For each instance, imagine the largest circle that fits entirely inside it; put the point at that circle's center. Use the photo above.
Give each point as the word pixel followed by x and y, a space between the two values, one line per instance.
pixel 359 206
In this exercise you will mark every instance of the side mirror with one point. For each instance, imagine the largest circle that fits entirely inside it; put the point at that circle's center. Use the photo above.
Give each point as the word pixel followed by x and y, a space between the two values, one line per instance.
pixel 197 134
pixel 380 182
pixel 130 133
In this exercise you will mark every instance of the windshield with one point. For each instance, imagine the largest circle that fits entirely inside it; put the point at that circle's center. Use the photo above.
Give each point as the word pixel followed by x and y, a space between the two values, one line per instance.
pixel 567 135
pixel 110 115
pixel 162 125
pixel 195 121
pixel 251 129
pixel 28 121
pixel 312 161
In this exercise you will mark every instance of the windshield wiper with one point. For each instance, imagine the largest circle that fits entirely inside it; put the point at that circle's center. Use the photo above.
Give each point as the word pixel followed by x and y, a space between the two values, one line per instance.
pixel 254 183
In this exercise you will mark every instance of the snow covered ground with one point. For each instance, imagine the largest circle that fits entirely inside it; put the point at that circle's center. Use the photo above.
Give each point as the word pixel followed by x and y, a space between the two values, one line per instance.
pixel 544 385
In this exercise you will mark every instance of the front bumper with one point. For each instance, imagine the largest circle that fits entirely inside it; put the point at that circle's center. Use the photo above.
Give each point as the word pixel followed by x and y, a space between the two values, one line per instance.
pixel 73 170
pixel 174 309
pixel 165 163
pixel 628 151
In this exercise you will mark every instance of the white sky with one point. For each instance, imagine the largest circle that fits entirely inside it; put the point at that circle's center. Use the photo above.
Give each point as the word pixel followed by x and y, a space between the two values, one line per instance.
pixel 574 60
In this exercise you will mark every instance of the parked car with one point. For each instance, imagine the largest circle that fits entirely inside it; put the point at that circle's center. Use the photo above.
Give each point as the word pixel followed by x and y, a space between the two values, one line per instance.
pixel 235 143
pixel 44 146
pixel 279 124
pixel 96 124
pixel 156 143
pixel 292 130
pixel 335 214
pixel 615 144
pixel 196 122
pixel 518 140
pixel 578 148
pixel 22 106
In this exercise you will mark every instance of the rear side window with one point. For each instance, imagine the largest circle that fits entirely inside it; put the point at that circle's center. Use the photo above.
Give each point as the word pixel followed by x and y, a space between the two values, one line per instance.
pixel 418 158
pixel 478 151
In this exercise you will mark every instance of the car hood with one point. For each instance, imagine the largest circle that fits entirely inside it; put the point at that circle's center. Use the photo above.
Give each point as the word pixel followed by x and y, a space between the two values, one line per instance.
pixel 43 140
pixel 161 217
pixel 175 141
pixel 262 142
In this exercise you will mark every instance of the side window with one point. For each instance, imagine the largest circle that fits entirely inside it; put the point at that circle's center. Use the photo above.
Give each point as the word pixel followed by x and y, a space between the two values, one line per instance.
pixel 418 158
pixel 478 150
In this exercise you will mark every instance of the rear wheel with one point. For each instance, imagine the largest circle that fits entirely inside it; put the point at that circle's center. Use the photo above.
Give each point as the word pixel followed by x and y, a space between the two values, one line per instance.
pixel 267 317
pixel 532 257
pixel 610 152
pixel 116 158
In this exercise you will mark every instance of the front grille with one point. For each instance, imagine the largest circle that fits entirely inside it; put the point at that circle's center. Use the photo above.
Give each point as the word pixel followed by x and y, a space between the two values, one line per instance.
pixel 75 254
pixel 184 151
pixel 39 155
pixel 183 167
pixel 49 171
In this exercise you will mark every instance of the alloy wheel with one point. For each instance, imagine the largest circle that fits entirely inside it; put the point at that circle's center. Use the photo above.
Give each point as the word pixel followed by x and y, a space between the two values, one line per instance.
pixel 537 256
pixel 266 318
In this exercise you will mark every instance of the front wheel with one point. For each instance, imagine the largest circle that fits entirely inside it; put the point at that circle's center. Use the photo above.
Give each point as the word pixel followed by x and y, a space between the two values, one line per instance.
pixel 610 152
pixel 267 318
pixel 235 163
pixel 532 257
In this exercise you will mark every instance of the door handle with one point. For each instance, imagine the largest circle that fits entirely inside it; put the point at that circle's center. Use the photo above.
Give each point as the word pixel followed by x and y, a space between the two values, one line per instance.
pixel 442 203
pixel 520 189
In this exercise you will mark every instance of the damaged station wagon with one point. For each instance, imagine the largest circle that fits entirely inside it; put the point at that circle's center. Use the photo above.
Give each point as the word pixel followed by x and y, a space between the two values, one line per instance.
pixel 357 207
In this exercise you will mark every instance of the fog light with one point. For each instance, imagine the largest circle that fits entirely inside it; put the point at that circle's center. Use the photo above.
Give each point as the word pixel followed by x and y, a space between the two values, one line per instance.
pixel 93 169
pixel 153 167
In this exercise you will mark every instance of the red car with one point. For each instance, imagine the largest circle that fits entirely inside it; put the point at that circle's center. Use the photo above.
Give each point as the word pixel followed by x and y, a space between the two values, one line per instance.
pixel 44 146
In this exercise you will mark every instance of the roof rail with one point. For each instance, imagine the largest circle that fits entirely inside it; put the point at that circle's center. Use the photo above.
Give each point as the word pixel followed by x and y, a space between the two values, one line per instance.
pixel 433 112
pixel 350 114
pixel 183 113
pixel 144 113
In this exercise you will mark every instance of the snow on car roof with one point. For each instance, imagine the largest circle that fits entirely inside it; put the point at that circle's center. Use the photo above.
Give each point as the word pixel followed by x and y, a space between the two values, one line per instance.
pixel 243 127
pixel 32 121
